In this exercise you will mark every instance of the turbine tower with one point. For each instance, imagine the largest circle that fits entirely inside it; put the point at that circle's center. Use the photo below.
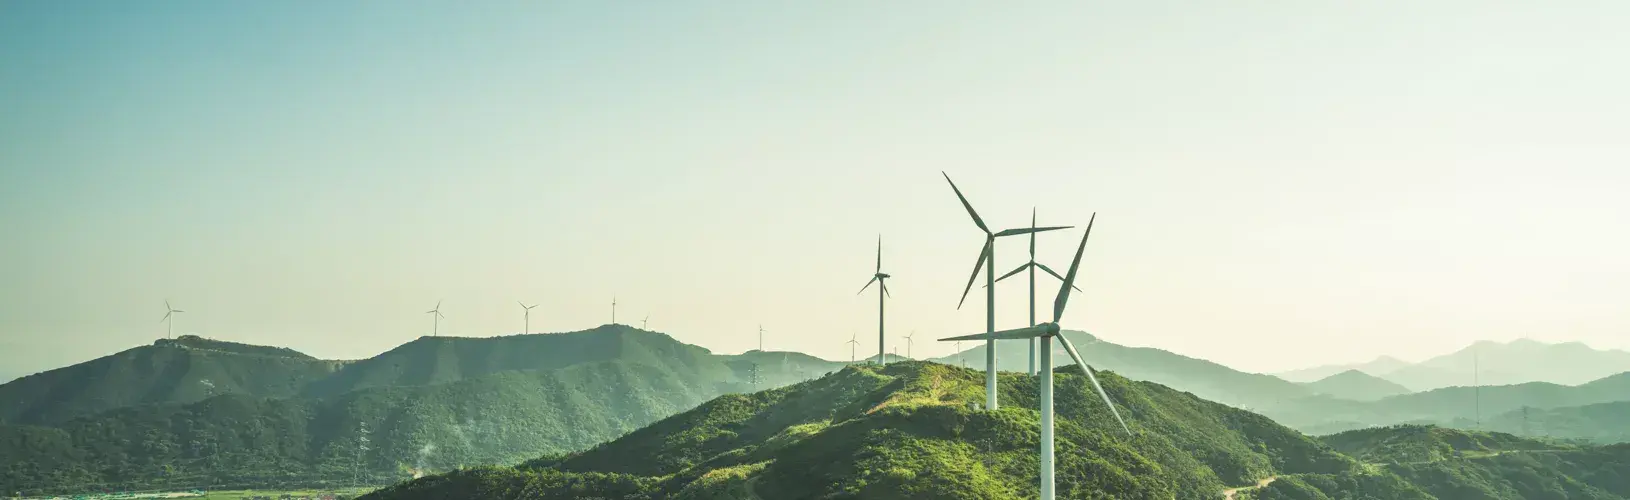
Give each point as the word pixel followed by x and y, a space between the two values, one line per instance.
pixel 1032 266
pixel 853 341
pixel 613 309
pixel 880 278
pixel 435 319
pixel 1047 332
pixel 169 319
pixel 761 338
pixel 526 312
pixel 987 260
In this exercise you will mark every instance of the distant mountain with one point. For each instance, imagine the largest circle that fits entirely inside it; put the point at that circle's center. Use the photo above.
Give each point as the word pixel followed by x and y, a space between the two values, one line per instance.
pixel 432 404
pixel 1355 385
pixel 1203 378
pixel 1515 362
pixel 906 430
pixel 1424 443
pixel 183 370
pixel 1378 367
pixel 1602 423
pixel 1450 405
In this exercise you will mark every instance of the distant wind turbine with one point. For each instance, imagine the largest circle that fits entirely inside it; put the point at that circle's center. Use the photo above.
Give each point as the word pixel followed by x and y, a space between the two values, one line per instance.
pixel 853 341
pixel 169 319
pixel 987 259
pixel 435 319
pixel 1032 266
pixel 613 309
pixel 644 321
pixel 526 312
pixel 1047 332
pixel 761 338
pixel 880 278
pixel 908 342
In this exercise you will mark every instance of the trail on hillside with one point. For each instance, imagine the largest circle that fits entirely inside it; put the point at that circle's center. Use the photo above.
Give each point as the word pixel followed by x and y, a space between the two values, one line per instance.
pixel 1228 494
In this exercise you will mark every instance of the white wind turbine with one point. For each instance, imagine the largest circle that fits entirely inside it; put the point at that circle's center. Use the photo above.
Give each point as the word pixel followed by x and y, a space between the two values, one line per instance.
pixel 1032 266
pixel 1047 332
pixel 853 341
pixel 526 312
pixel 881 279
pixel 908 342
pixel 435 319
pixel 987 260
pixel 169 319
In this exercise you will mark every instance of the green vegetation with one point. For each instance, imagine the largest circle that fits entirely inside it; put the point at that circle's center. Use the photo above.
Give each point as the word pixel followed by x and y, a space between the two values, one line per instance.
pixel 1447 406
pixel 1355 385
pixel 1404 444
pixel 1603 423
pixel 481 401
pixel 907 431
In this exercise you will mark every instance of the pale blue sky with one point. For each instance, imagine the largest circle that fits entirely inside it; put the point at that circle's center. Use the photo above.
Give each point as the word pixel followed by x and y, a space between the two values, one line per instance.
pixel 1279 184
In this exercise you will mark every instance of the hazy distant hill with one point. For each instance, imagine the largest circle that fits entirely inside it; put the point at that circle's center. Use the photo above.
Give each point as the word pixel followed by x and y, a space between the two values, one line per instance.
pixel 432 404
pixel 1355 385
pixel 906 431
pixel 183 370
pixel 1602 423
pixel 1447 406
pixel 1203 378
pixel 1378 367
pixel 1515 362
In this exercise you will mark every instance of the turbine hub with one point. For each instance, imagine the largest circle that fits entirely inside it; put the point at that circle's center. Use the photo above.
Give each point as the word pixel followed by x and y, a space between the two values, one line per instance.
pixel 882 275
pixel 1052 329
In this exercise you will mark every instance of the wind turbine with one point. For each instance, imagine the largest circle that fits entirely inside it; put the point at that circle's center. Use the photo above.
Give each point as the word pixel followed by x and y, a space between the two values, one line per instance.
pixel 908 342
pixel 644 321
pixel 169 319
pixel 852 343
pixel 880 278
pixel 987 259
pixel 613 309
pixel 1047 332
pixel 761 338
pixel 435 319
pixel 526 311
pixel 1032 266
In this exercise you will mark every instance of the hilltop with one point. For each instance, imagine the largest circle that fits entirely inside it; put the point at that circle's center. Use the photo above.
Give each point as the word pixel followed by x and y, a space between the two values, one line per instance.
pixel 183 370
pixel 1516 362
pixel 906 430
pixel 1378 367
pixel 1355 385
pixel 432 404
pixel 1450 406
pixel 1603 423
pixel 1203 378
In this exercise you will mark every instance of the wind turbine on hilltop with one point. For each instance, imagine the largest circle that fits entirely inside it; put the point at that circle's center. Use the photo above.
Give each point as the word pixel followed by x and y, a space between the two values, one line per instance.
pixel 908 342
pixel 643 322
pixel 987 259
pixel 169 319
pixel 880 278
pixel 526 312
pixel 761 338
pixel 1032 266
pixel 1047 332
pixel 435 319
pixel 613 309
pixel 853 341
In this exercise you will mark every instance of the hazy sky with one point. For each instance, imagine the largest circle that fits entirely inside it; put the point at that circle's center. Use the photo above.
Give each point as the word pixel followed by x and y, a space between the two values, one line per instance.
pixel 1279 184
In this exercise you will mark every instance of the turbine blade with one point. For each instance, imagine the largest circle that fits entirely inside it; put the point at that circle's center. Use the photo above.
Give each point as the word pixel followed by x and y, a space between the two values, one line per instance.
pixel 167 305
pixel 1017 333
pixel 522 304
pixel 983 253
pixel 1070 348
pixel 885 286
pixel 179 311
pixel 1069 279
pixel 1032 235
pixel 1029 230
pixel 1055 275
pixel 166 316
pixel 976 220
pixel 1014 271
pixel 879 253
pixel 868 285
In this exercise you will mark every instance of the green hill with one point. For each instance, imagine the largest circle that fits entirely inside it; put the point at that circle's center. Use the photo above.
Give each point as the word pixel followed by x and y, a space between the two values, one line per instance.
pixel 1602 423
pixel 1203 378
pixel 906 430
pixel 1424 443
pixel 1355 385
pixel 183 370
pixel 433 404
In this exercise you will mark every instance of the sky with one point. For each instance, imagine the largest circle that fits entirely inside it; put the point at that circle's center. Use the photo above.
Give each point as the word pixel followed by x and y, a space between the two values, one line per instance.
pixel 1277 184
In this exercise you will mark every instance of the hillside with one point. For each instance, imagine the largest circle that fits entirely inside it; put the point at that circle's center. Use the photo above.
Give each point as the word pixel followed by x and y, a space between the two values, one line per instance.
pixel 1511 363
pixel 1602 423
pixel 1355 385
pixel 1203 378
pixel 433 404
pixel 1405 444
pixel 183 370
pixel 1378 367
pixel 907 431
pixel 1452 405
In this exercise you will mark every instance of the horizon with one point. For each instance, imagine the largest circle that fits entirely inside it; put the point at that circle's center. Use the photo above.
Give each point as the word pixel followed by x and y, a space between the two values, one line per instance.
pixel 1276 188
